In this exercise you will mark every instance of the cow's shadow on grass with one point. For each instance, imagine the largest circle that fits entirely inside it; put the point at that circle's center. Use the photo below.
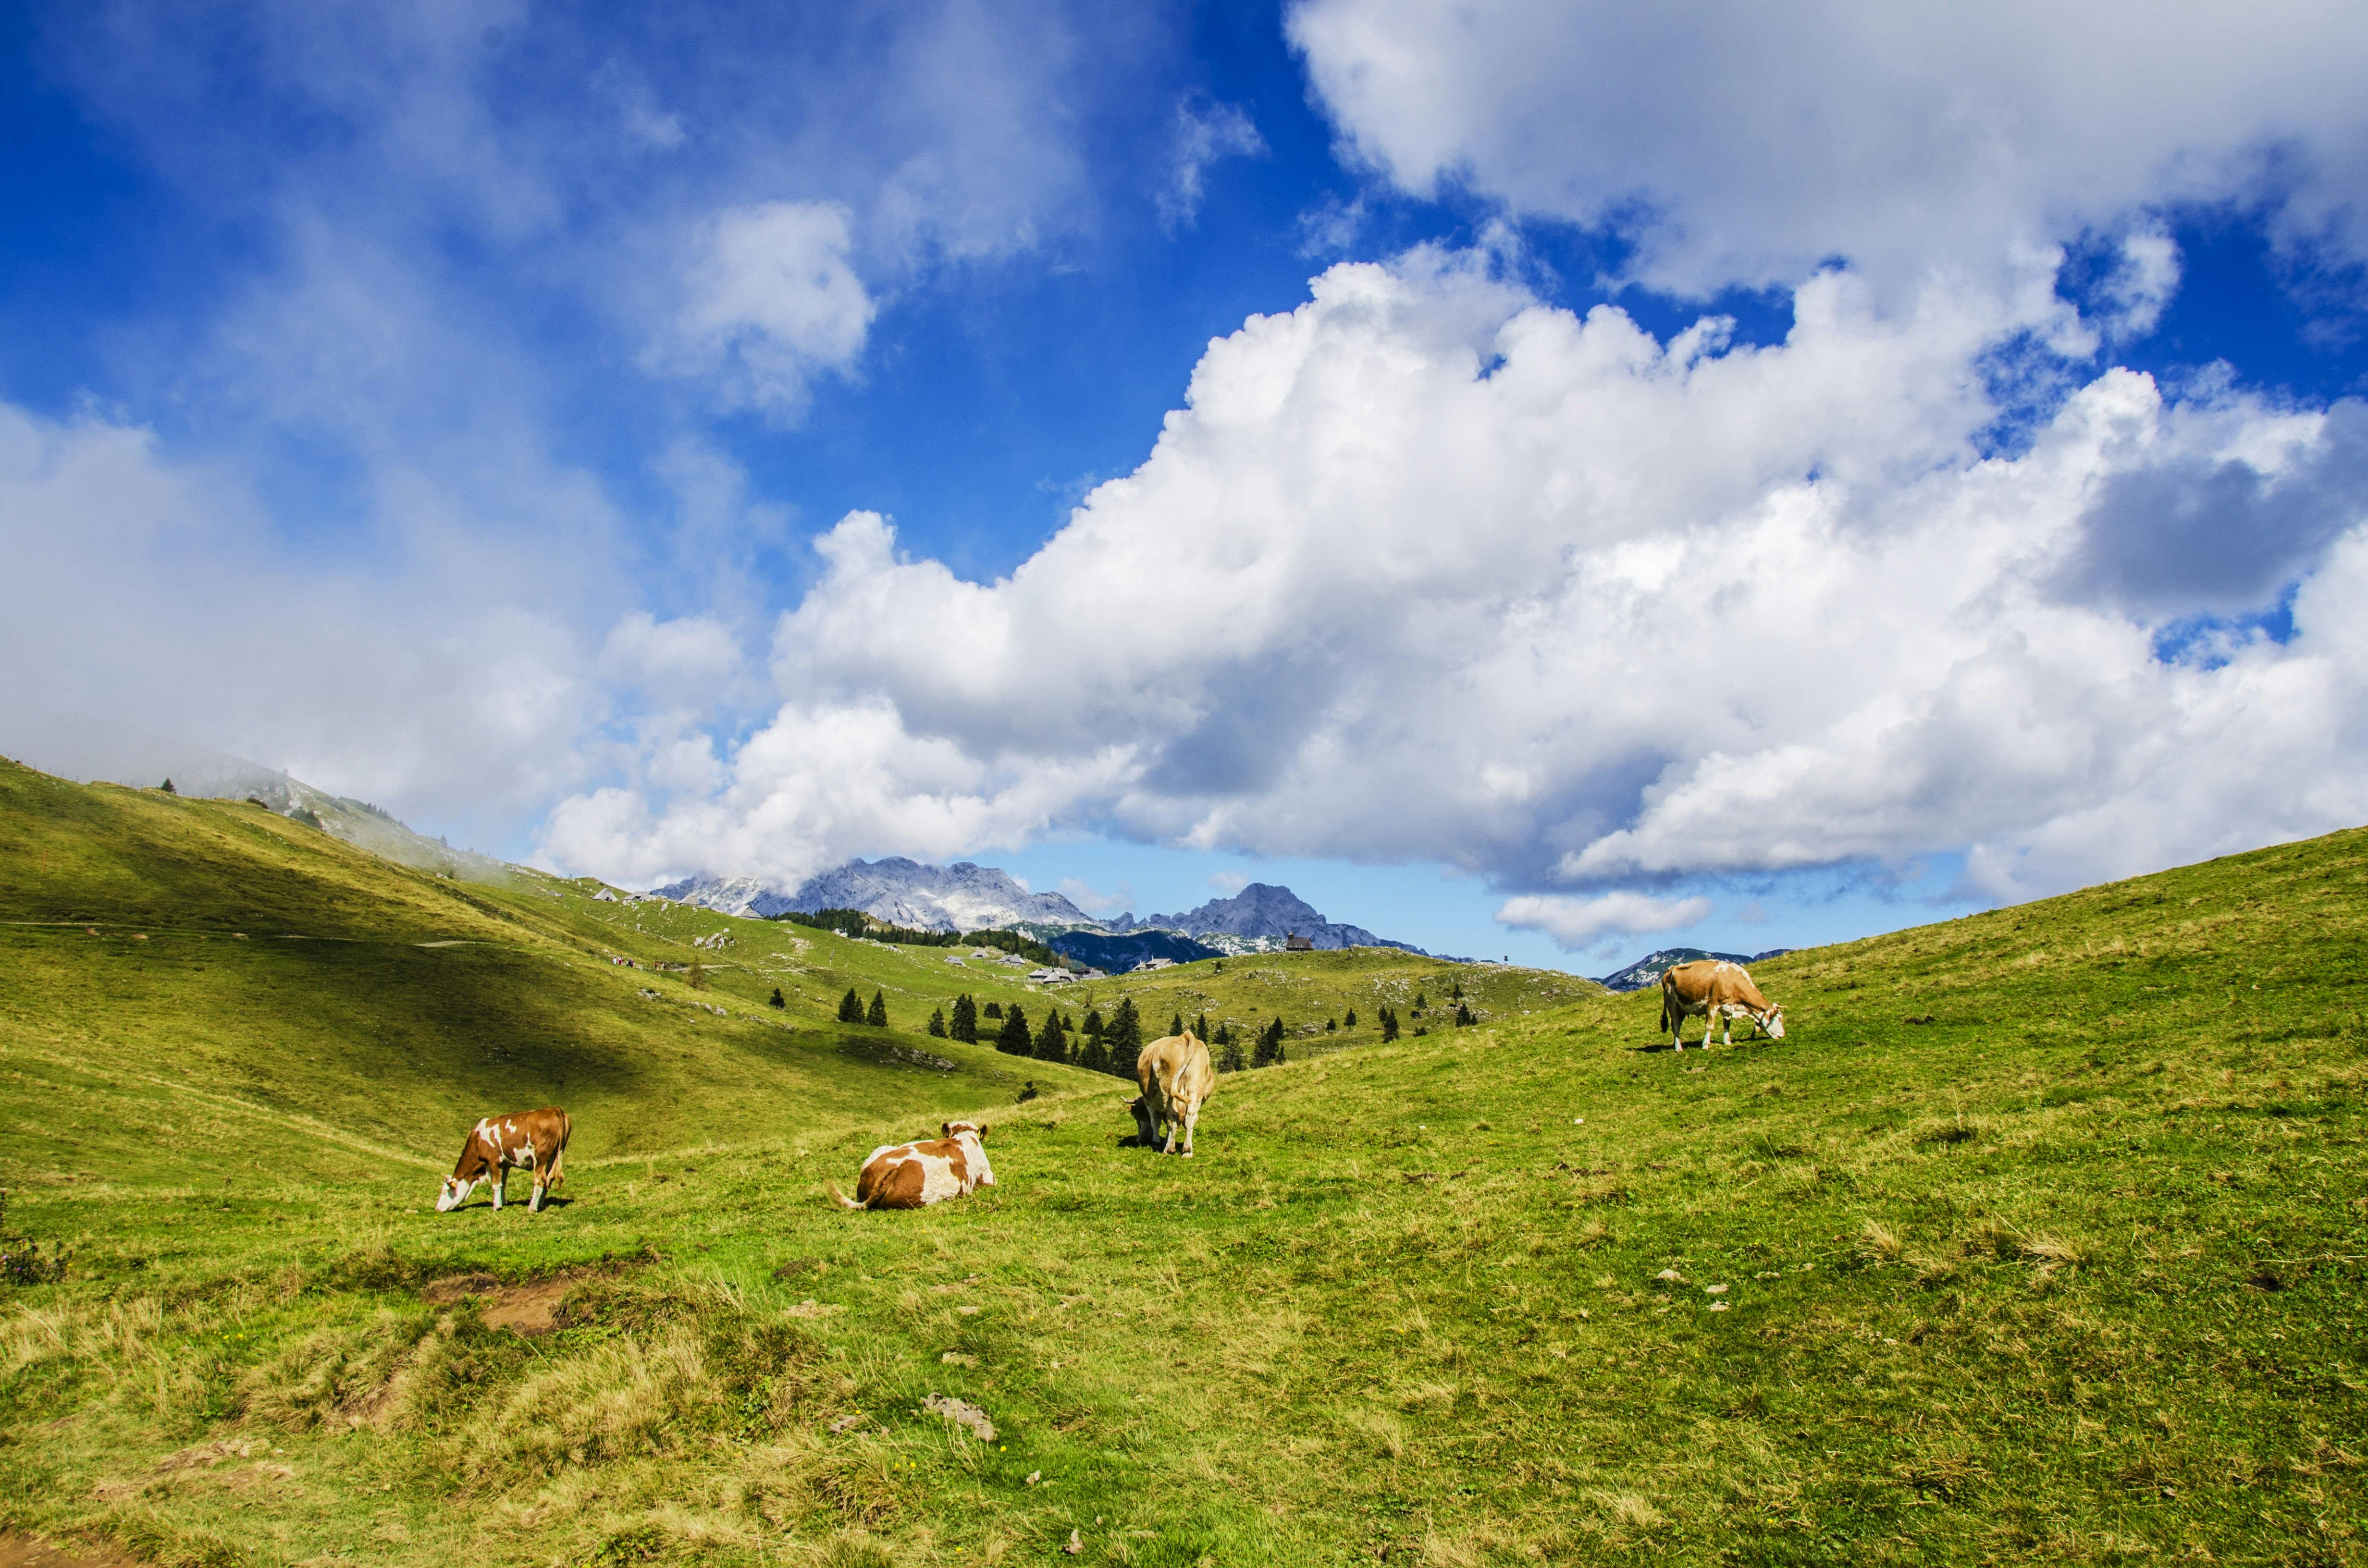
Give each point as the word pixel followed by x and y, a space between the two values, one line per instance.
pixel 1665 1048
pixel 549 1203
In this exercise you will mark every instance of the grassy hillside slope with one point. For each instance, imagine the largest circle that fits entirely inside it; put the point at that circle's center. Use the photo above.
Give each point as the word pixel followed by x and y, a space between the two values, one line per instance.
pixel 194 988
pixel 2070 1271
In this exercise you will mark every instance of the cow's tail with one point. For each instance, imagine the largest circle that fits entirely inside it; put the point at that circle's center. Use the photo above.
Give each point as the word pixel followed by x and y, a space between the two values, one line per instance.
pixel 1665 1004
pixel 841 1198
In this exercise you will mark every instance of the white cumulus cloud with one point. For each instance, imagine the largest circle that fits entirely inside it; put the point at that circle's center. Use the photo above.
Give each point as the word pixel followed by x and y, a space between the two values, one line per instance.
pixel 1428 571
pixel 1575 923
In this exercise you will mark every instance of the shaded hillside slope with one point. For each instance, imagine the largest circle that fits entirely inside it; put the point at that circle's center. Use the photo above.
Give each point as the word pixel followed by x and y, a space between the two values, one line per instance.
pixel 2070 1271
pixel 200 988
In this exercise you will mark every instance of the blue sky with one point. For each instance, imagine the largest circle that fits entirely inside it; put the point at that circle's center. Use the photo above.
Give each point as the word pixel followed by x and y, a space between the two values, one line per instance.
pixel 1554 484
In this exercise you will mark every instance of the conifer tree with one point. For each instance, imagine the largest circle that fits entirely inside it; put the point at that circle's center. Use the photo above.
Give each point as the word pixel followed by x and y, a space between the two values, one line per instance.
pixel 878 1015
pixel 1463 1017
pixel 1348 1021
pixel 1094 1025
pixel 697 975
pixel 1269 1050
pixel 1331 1026
pixel 994 1009
pixel 1201 1027
pixel 1092 1055
pixel 1389 1025
pixel 965 1026
pixel 1051 1046
pixel 1229 1054
pixel 1456 995
pixel 1420 1003
pixel 1175 1026
pixel 850 1007
pixel 1123 1038
pixel 777 1000
pixel 168 787
pixel 938 1022
pixel 1013 1038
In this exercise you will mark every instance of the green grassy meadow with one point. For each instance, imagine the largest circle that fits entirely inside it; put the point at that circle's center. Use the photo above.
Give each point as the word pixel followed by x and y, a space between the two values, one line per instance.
pixel 2071 1271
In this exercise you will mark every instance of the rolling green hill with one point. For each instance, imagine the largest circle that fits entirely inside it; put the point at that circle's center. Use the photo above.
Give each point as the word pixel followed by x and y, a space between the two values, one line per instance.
pixel 194 988
pixel 2041 1236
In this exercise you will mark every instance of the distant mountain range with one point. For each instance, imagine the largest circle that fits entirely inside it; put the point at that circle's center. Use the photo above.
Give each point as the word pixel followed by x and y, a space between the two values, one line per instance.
pixel 1646 971
pixel 960 897
pixel 964 897
pixel 1259 918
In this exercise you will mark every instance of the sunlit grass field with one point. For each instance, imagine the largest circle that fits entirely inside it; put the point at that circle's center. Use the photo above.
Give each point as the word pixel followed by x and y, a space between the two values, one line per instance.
pixel 2070 1271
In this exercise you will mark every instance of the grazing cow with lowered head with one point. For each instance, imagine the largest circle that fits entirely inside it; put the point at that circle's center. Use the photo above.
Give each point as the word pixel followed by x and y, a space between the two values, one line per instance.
pixel 925 1171
pixel 1176 1078
pixel 500 1144
pixel 1716 989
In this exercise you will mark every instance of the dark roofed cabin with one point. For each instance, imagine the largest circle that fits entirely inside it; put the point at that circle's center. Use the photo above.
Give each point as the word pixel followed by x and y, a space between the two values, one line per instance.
pixel 1295 943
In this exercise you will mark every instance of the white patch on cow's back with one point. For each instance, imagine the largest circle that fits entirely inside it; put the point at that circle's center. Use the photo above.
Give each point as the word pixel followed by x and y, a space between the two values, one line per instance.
pixel 938 1180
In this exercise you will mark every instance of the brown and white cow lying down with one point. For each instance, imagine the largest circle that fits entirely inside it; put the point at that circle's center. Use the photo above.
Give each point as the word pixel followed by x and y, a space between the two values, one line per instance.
pixel 498 1145
pixel 1177 1079
pixel 1716 989
pixel 925 1171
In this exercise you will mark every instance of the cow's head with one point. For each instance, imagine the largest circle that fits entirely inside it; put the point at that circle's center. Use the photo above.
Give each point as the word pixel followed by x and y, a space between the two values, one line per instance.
pixel 1774 1023
pixel 956 1128
pixel 455 1193
pixel 1145 1125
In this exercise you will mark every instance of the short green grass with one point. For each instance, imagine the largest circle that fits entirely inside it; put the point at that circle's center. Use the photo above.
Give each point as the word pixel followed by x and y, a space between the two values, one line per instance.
pixel 2070 1272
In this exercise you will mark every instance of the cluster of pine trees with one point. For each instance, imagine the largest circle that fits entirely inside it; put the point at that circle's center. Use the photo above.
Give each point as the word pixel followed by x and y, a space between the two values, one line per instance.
pixel 1098 1045
pixel 1111 1045
pixel 852 1009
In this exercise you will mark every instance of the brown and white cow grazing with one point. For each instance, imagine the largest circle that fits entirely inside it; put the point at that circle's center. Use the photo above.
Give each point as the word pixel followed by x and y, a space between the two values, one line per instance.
pixel 1716 989
pixel 1176 1078
pixel 925 1171
pixel 500 1144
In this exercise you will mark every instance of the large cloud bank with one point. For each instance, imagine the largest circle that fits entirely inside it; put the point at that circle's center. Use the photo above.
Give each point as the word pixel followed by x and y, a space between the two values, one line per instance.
pixel 1429 571
pixel 1745 142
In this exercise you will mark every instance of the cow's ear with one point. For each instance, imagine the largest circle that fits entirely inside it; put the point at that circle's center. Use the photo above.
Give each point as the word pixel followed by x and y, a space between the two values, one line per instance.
pixel 945 1129
pixel 981 1131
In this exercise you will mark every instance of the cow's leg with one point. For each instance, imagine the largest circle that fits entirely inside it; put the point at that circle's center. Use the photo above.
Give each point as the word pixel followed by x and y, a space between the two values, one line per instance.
pixel 1191 1119
pixel 541 1176
pixel 501 1180
pixel 1728 1037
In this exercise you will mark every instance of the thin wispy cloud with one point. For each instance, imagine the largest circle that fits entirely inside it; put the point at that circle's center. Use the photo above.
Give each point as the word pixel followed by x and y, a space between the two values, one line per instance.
pixel 1206 134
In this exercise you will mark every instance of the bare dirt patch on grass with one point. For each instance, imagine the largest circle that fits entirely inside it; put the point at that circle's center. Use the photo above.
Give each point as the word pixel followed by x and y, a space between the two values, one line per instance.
pixel 19 1551
pixel 530 1309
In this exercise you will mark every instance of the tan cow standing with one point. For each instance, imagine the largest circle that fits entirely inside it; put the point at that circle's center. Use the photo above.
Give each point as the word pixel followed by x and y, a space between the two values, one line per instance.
pixel 925 1171
pixel 1177 1079
pixel 1716 989
pixel 499 1144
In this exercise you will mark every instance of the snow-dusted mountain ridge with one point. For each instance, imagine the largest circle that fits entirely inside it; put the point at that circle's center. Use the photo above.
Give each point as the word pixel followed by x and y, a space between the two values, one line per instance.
pixel 964 897
pixel 960 897
pixel 1260 918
